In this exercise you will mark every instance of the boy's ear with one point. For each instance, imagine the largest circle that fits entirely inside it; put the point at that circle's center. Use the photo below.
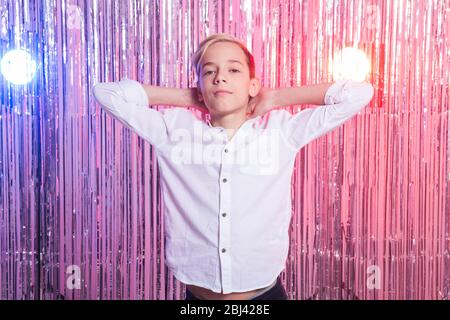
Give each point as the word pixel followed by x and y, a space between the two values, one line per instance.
pixel 255 86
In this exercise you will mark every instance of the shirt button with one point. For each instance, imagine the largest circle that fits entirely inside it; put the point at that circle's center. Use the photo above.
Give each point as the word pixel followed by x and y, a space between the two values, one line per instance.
pixel 224 180
pixel 226 150
pixel 224 214
pixel 223 250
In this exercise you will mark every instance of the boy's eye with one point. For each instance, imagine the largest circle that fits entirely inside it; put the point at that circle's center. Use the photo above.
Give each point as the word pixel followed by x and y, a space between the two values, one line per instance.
pixel 234 70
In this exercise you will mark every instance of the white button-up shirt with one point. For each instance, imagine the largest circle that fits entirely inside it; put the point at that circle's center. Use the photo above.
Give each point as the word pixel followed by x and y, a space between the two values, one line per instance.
pixel 227 203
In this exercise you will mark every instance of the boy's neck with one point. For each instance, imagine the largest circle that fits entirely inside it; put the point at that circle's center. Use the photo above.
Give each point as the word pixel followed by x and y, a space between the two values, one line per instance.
pixel 230 121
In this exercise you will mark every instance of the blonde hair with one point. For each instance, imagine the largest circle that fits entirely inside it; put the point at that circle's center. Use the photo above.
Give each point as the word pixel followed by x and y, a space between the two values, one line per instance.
pixel 221 37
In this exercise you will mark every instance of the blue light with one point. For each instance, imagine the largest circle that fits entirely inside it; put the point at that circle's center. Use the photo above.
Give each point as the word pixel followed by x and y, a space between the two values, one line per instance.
pixel 18 67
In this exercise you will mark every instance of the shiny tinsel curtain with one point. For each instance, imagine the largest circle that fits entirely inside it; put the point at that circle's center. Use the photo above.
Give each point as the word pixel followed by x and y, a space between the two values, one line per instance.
pixel 80 207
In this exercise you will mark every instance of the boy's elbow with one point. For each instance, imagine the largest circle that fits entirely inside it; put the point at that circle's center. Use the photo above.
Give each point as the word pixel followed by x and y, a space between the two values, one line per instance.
pixel 98 91
pixel 369 92
pixel 102 93
pixel 362 94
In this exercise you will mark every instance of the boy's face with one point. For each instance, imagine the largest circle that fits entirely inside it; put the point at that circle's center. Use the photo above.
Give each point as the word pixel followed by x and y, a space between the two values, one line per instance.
pixel 218 73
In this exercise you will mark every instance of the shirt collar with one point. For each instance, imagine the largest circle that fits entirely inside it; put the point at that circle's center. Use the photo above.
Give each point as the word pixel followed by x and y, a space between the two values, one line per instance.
pixel 208 121
pixel 247 132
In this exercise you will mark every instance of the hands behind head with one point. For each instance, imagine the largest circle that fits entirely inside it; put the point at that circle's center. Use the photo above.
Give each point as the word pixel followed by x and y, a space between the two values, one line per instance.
pixel 195 102
pixel 262 103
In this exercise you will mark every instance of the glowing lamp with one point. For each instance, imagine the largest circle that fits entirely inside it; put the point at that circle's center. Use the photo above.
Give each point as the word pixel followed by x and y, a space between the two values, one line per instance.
pixel 18 67
pixel 350 63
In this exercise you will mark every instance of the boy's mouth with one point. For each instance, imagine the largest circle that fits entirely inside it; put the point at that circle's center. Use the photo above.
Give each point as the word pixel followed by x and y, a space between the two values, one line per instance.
pixel 221 93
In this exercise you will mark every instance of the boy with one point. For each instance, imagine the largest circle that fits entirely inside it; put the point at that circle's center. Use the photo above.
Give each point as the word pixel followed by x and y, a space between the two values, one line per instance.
pixel 226 181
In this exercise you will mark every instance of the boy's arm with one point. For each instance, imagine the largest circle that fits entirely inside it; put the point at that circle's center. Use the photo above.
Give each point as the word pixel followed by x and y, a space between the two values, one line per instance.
pixel 127 101
pixel 173 96
pixel 310 94
pixel 342 100
pixel 268 99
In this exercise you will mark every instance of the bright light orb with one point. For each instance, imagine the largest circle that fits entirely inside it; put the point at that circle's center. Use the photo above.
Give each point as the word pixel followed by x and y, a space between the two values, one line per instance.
pixel 18 67
pixel 350 63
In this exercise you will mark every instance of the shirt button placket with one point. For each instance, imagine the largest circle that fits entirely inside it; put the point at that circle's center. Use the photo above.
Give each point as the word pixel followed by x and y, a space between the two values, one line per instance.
pixel 224 224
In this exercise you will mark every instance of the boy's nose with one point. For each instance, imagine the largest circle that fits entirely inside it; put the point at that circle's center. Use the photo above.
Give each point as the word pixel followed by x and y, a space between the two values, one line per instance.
pixel 218 79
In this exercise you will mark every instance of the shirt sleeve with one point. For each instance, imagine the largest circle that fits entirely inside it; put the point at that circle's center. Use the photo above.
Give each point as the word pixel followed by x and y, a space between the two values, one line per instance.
pixel 127 101
pixel 343 100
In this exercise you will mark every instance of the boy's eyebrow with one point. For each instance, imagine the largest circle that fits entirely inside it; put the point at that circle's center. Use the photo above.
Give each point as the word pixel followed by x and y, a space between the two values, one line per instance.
pixel 230 60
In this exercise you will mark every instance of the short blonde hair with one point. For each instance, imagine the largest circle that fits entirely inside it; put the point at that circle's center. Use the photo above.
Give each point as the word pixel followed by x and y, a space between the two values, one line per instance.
pixel 221 37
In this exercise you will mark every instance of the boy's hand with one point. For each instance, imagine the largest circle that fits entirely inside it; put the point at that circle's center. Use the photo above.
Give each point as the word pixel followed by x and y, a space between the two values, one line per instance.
pixel 195 102
pixel 262 103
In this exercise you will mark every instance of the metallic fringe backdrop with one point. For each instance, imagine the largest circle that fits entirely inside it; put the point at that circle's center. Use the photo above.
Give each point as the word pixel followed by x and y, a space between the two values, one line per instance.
pixel 80 206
